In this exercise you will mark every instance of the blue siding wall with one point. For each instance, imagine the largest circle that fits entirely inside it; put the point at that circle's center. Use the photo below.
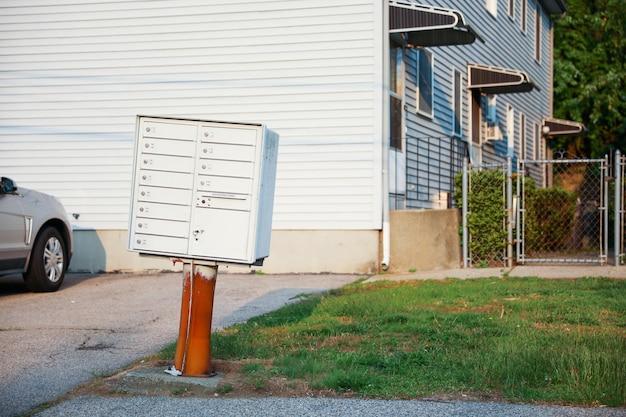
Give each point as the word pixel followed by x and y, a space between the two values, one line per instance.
pixel 429 148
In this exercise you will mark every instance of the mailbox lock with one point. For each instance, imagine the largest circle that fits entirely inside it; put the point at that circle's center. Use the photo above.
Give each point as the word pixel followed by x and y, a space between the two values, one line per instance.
pixel 143 193
pixel 139 225
pixel 138 241
pixel 141 209
pixel 204 150
pixel 196 233
pixel 144 177
pixel 147 145
pixel 147 129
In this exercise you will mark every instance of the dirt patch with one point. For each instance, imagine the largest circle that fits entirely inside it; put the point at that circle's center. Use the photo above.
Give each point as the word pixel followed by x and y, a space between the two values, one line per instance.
pixel 344 342
pixel 580 328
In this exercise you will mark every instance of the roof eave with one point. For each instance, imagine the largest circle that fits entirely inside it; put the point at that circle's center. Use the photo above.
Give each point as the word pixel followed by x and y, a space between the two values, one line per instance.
pixel 554 7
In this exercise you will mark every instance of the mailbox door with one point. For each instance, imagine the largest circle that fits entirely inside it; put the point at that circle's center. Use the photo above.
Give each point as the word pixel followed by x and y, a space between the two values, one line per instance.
pixel 220 233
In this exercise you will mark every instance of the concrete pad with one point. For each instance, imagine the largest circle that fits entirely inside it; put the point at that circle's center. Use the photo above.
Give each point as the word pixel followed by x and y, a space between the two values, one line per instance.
pixel 569 271
pixel 158 374
pixel 549 272
pixel 459 273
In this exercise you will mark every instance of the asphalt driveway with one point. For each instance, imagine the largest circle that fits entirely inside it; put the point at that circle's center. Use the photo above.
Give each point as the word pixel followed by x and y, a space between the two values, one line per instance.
pixel 50 343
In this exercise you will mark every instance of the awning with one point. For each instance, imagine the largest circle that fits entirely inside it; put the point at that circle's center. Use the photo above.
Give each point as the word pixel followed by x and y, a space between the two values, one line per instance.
pixel 429 26
pixel 494 80
pixel 558 127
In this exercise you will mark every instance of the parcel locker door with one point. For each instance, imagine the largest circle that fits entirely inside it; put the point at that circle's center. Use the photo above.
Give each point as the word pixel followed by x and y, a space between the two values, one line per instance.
pixel 217 233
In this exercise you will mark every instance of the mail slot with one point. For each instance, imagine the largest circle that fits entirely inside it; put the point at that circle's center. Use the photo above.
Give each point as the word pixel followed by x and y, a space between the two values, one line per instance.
pixel 167 163
pixel 163 211
pixel 224 184
pixel 164 195
pixel 159 243
pixel 180 131
pixel 246 136
pixel 229 152
pixel 167 147
pixel 232 202
pixel 165 179
pixel 162 227
pixel 225 168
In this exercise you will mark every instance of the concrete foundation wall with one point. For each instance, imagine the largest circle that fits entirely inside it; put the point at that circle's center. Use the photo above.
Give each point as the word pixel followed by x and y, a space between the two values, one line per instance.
pixel 338 251
pixel 424 240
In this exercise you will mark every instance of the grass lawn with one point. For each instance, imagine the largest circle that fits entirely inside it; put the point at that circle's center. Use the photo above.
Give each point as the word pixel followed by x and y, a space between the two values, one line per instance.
pixel 520 339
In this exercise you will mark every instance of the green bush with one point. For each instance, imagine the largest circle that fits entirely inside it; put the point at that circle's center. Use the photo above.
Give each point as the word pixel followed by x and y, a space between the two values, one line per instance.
pixel 550 214
pixel 486 214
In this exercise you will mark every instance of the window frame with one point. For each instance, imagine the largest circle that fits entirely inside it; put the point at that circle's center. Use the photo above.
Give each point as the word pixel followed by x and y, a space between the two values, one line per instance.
pixel 418 91
pixel 510 126
pixel 537 141
pixel 492 7
pixel 538 33
pixel 457 90
pixel 522 136
pixel 396 92
pixel 524 16
pixel 511 9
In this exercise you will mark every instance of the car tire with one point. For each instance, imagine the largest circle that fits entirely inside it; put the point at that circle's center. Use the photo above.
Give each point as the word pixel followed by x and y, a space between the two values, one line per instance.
pixel 48 262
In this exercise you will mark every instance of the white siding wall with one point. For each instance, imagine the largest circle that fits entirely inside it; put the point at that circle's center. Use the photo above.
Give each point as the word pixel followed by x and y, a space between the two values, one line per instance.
pixel 73 76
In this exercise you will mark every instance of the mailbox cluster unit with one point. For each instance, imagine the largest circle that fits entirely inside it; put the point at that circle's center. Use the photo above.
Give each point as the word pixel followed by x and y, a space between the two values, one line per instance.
pixel 203 189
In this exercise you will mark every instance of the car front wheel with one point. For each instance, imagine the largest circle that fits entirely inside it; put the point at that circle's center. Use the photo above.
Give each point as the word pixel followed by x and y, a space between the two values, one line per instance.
pixel 48 262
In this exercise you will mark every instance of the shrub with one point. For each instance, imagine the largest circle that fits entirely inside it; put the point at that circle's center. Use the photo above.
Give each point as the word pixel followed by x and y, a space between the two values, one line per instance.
pixel 486 214
pixel 550 216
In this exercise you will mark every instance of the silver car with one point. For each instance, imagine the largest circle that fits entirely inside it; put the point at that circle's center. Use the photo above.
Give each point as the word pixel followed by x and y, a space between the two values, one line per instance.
pixel 35 237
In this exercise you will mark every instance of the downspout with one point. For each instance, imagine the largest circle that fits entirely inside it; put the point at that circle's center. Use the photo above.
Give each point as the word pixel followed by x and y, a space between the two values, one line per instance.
pixel 386 228
pixel 384 264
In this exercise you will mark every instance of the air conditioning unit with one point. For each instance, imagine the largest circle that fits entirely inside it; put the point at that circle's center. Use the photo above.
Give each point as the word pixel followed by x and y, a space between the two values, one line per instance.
pixel 491 132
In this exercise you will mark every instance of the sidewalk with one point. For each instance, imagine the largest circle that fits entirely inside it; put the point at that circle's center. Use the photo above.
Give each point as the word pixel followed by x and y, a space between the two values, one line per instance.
pixel 305 407
pixel 517 272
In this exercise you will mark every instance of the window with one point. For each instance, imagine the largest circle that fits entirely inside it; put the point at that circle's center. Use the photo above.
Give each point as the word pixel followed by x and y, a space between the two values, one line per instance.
pixel 510 127
pixel 511 9
pixel 396 85
pixel 492 6
pixel 523 16
pixel 476 117
pixel 522 136
pixel 425 82
pixel 538 34
pixel 537 142
pixel 457 104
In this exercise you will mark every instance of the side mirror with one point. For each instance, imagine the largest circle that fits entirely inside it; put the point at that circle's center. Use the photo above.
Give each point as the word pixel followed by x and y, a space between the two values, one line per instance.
pixel 7 186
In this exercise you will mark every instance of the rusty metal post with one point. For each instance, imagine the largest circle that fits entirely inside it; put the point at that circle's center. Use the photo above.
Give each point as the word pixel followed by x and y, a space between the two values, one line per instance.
pixel 193 348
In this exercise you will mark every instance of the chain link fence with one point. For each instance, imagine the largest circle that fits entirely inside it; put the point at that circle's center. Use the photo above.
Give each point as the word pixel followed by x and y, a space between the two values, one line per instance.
pixel 485 200
pixel 620 208
pixel 566 220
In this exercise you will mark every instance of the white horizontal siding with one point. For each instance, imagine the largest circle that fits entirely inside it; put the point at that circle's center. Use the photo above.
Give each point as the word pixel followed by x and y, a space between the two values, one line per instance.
pixel 74 74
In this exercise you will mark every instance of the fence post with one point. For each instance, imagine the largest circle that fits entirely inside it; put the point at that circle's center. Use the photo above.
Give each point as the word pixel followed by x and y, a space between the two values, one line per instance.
pixel 518 215
pixel 509 210
pixel 464 186
pixel 618 202
pixel 605 184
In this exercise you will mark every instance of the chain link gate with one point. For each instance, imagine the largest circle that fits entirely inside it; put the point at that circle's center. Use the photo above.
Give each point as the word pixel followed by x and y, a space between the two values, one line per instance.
pixel 562 213
pixel 620 208
pixel 487 227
